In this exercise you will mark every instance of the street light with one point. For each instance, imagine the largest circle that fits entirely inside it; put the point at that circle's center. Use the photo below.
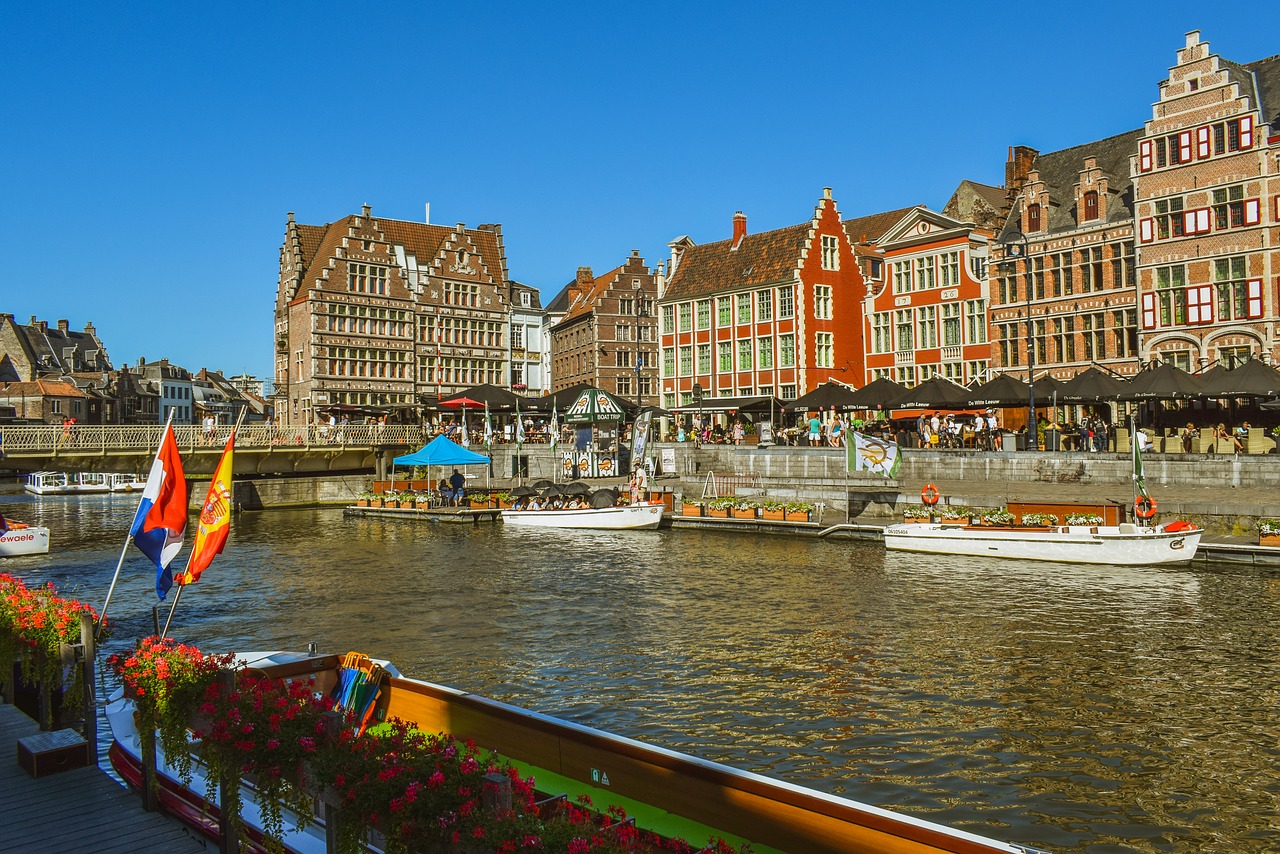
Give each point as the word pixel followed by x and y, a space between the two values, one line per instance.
pixel 1015 249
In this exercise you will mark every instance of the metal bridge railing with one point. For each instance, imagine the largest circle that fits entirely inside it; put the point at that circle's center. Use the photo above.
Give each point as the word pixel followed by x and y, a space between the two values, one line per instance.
pixel 29 441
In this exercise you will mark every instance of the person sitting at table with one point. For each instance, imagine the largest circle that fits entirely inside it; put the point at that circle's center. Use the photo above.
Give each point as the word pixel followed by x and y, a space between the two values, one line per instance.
pixel 445 490
pixel 1222 433
pixel 1143 439
pixel 1189 435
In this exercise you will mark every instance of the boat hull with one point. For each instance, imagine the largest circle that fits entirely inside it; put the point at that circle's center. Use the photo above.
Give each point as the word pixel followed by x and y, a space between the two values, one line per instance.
pixel 28 540
pixel 770 812
pixel 1122 545
pixel 62 483
pixel 630 518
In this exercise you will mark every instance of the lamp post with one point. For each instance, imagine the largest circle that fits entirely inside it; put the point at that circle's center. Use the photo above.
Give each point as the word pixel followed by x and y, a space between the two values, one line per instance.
pixel 1015 250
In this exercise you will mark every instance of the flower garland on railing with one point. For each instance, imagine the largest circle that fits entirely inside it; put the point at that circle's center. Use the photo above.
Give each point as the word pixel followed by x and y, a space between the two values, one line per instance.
pixel 420 792
pixel 34 623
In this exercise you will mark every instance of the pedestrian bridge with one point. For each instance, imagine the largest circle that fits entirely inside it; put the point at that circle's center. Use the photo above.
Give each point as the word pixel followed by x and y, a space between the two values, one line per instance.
pixel 261 449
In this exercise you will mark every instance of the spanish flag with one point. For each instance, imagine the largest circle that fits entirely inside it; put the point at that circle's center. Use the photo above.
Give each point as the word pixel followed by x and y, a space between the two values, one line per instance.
pixel 215 519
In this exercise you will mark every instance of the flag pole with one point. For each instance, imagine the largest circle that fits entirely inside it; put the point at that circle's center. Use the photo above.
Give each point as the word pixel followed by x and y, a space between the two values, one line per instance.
pixel 191 554
pixel 102 616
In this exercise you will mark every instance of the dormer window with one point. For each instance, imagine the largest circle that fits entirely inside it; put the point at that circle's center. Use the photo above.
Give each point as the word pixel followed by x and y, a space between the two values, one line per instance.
pixel 1033 218
pixel 1091 205
pixel 524 299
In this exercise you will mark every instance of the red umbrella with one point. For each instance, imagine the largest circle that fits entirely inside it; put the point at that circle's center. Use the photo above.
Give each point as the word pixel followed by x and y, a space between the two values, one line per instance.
pixel 461 401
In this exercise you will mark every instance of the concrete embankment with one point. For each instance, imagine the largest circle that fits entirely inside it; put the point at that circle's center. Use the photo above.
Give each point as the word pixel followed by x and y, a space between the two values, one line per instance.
pixel 1227 494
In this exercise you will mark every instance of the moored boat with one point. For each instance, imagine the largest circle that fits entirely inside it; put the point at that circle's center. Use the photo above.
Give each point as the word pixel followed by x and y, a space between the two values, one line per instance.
pixel 680 795
pixel 18 539
pixel 65 483
pixel 126 482
pixel 629 517
pixel 1125 544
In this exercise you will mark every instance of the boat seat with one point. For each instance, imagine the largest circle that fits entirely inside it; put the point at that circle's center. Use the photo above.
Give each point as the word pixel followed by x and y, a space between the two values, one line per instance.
pixel 1128 528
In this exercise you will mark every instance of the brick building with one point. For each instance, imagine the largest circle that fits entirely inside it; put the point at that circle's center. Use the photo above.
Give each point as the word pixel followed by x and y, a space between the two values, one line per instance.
pixel 774 313
pixel 608 334
pixel 926 316
pixel 1077 279
pixel 528 374
pixel 386 312
pixel 1207 170
pixel 34 350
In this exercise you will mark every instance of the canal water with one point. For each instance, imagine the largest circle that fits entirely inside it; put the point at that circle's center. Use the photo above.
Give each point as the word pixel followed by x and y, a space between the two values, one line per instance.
pixel 1092 709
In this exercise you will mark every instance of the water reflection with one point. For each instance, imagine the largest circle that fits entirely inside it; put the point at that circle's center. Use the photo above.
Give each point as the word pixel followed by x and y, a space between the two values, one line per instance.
pixel 1073 708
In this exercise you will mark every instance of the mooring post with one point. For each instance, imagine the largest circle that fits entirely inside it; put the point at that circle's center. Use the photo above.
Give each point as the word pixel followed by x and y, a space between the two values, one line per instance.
pixel 89 682
pixel 228 826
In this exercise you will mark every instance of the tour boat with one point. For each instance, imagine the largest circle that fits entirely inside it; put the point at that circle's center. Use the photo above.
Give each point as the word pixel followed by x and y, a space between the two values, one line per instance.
pixel 645 516
pixel 678 795
pixel 19 539
pixel 126 482
pixel 65 483
pixel 1125 544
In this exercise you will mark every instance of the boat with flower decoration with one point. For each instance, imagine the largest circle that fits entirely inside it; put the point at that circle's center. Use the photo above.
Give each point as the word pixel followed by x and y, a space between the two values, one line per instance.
pixel 667 793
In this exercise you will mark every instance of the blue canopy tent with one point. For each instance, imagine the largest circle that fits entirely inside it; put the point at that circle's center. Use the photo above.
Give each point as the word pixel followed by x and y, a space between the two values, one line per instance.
pixel 440 451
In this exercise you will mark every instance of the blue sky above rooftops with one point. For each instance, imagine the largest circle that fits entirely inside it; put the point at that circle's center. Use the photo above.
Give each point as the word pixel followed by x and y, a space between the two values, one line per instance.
pixel 152 150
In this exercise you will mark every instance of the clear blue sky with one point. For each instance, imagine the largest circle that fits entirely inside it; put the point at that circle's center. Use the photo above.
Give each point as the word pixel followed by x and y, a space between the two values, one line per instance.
pixel 151 151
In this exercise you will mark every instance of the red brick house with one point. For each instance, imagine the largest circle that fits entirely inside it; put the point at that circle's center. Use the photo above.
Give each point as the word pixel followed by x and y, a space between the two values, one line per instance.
pixel 775 313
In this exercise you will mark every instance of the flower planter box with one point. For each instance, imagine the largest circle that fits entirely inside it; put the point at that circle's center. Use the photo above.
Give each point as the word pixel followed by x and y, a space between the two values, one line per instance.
pixel 746 513
pixel 719 514
pixel 504 504
pixel 691 510
pixel 773 515
pixel 362 502
pixel 479 503
pixel 1269 540
pixel 915 519
pixel 798 516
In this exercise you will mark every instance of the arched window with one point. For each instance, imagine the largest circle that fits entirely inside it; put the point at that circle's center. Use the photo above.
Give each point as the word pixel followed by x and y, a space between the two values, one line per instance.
pixel 1091 205
pixel 1033 218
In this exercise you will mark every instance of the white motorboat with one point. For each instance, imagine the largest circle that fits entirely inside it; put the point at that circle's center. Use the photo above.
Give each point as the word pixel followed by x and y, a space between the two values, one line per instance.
pixel 22 539
pixel 126 482
pixel 65 483
pixel 1125 544
pixel 630 517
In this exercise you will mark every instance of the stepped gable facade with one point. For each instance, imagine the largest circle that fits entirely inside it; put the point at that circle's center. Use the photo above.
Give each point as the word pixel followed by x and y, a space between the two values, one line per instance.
pixel 383 312
pixel 774 313
pixel 607 337
pixel 1207 168
pixel 1077 280
pixel 927 316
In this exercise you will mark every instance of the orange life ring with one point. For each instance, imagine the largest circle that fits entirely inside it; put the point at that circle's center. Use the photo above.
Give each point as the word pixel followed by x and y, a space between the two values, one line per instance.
pixel 1144 507
pixel 929 495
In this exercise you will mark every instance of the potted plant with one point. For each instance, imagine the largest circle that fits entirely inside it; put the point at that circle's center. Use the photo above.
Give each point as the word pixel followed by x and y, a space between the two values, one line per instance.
pixel 915 513
pixel 999 517
pixel 722 508
pixel 1089 519
pixel 746 508
pixel 1039 520
pixel 1269 532
pixel 478 499
pixel 773 511
pixel 168 682
pixel 504 499
pixel 799 511
pixel 957 513
pixel 367 499
pixel 692 508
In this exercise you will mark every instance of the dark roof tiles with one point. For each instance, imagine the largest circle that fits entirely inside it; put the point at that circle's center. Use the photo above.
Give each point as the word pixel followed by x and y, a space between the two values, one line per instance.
pixel 763 258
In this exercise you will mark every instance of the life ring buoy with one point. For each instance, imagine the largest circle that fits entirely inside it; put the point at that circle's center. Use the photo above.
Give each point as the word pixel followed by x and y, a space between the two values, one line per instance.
pixel 929 495
pixel 1144 507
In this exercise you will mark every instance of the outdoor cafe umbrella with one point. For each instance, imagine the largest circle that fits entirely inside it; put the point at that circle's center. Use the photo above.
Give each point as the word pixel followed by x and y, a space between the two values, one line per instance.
pixel 603 498
pixel 463 402
pixel 576 488
pixel 1092 386
pixel 1004 390
pixel 1165 381
pixel 876 393
pixel 1252 379
pixel 934 393
pixel 829 395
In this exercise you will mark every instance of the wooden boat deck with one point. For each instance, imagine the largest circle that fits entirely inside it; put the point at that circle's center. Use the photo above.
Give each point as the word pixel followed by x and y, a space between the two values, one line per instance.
pixel 78 810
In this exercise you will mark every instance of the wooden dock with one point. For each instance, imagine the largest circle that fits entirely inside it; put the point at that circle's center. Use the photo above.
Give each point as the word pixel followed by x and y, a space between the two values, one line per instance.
pixel 78 810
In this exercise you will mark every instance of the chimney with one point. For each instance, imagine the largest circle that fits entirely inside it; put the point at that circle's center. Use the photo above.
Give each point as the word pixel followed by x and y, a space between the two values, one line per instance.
pixel 584 279
pixel 42 325
pixel 63 326
pixel 89 330
pixel 739 229
pixel 426 214
pixel 1018 167
pixel 365 210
